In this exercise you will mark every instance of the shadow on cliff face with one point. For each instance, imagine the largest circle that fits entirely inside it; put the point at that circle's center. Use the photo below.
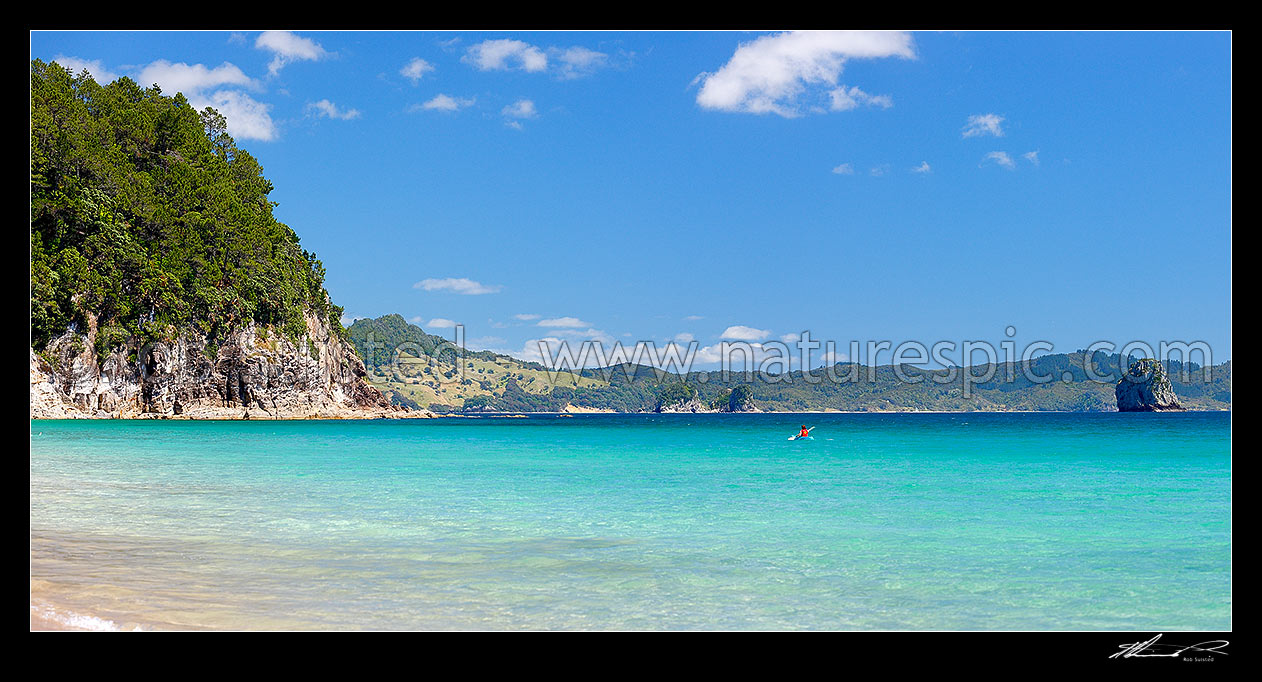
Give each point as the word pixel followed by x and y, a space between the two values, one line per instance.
pixel 316 375
pixel 1146 388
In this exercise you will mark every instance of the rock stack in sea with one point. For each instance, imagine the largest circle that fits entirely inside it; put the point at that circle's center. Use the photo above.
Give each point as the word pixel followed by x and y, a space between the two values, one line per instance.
pixel 1146 388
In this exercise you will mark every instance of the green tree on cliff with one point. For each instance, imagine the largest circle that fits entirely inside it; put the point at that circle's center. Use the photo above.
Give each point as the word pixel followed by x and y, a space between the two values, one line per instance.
pixel 147 218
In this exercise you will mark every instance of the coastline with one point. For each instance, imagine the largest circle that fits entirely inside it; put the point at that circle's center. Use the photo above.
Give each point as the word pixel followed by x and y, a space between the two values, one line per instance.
pixel 384 525
pixel 153 416
pixel 425 414
pixel 41 623
pixel 47 616
pixel 45 620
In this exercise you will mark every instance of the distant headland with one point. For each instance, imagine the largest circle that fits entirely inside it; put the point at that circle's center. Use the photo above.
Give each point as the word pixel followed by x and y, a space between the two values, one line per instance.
pixel 162 286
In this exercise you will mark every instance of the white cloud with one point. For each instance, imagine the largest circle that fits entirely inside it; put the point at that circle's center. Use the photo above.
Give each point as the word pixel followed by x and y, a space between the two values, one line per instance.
pixel 95 68
pixel 682 348
pixel 738 360
pixel 1000 158
pixel 772 73
pixel 1032 157
pixel 502 55
pixel 288 47
pixel 588 334
pixel 694 318
pixel 507 54
pixel 571 346
pixel 743 333
pixel 530 351
pixel 831 358
pixel 458 285
pixel 577 62
pixel 436 323
pixel 330 110
pixel 845 100
pixel 566 322
pixel 415 69
pixel 878 171
pixel 442 102
pixel 526 317
pixel 522 108
pixel 922 168
pixel 983 124
pixel 485 342
pixel 843 169
pixel 192 79
pixel 248 119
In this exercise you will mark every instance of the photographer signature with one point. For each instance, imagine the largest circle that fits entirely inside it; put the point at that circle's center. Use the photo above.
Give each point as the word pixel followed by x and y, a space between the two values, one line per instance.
pixel 1138 649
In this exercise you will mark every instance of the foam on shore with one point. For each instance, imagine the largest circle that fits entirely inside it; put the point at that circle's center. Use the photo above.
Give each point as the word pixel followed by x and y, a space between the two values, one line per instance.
pixel 45 617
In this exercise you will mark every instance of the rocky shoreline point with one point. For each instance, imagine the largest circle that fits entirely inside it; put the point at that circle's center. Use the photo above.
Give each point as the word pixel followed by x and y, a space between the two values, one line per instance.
pixel 1146 388
pixel 253 373
pixel 688 405
pixel 683 398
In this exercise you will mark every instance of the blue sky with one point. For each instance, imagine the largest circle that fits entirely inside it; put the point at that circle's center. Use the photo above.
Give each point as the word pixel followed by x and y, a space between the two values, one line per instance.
pixel 692 186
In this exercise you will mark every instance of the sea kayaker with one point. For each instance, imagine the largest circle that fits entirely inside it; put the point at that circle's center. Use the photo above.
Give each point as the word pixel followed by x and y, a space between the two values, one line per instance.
pixel 804 432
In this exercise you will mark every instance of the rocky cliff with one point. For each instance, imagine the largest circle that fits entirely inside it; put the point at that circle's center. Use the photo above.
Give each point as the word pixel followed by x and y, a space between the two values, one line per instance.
pixel 1146 388
pixel 253 373
pixel 741 399
pixel 684 398
pixel 684 405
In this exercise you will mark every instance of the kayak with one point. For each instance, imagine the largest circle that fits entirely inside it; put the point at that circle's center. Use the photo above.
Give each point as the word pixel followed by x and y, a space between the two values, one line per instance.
pixel 801 437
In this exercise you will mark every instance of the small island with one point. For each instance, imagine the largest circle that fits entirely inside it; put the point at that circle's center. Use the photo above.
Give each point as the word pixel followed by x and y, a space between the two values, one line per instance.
pixel 1146 388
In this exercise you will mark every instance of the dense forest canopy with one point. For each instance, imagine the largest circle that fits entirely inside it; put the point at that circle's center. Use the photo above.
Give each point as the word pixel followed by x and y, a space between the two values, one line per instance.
pixel 146 214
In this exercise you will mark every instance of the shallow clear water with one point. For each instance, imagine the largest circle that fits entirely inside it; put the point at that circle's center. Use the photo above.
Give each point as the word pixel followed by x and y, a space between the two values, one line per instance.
pixel 908 521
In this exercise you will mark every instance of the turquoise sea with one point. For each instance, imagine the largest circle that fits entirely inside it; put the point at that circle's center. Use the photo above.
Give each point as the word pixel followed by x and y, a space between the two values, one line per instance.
pixel 883 521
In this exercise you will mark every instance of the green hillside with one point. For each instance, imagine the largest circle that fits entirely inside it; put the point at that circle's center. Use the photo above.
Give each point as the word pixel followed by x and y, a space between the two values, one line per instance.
pixel 420 370
pixel 499 383
pixel 148 220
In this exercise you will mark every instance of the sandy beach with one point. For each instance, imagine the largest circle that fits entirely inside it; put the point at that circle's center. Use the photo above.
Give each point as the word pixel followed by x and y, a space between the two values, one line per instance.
pixel 46 618
pixel 40 623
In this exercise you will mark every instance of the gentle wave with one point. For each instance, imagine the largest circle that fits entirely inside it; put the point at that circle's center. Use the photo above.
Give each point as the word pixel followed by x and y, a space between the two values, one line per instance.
pixel 74 621
pixel 905 522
